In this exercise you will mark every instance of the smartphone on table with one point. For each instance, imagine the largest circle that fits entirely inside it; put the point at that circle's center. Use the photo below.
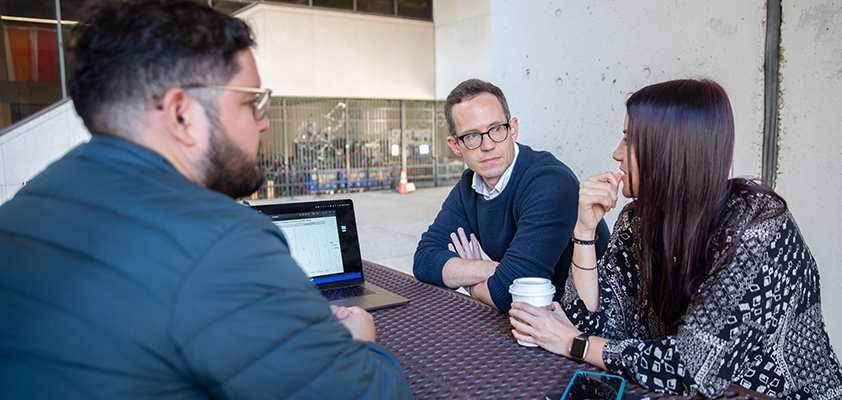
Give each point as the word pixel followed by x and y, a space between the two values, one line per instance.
pixel 592 386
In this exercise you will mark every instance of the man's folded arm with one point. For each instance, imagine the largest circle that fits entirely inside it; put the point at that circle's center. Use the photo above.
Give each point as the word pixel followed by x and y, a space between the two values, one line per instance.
pixel 547 205
pixel 432 253
pixel 458 272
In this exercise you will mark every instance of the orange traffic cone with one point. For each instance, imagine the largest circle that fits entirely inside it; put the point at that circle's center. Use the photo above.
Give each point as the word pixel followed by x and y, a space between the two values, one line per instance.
pixel 402 185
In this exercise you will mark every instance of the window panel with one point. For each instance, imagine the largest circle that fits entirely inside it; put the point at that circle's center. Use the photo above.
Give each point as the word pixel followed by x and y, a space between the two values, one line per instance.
pixel 298 2
pixel 29 70
pixel 386 7
pixel 340 4
pixel 415 9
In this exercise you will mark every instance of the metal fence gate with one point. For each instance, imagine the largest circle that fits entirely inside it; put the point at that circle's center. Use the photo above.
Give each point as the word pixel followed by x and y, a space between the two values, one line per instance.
pixel 318 146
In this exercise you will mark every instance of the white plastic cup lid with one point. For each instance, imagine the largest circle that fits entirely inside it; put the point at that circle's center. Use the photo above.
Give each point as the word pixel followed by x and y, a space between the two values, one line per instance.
pixel 532 287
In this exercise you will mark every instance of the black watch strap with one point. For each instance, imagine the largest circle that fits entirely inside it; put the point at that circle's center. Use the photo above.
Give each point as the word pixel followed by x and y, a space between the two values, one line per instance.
pixel 579 348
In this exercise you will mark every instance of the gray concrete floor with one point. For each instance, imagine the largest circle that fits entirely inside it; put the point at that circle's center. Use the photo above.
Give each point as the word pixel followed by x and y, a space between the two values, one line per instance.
pixel 390 224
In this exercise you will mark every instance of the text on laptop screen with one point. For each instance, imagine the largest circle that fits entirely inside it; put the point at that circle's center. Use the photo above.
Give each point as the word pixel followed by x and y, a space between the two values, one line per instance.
pixel 313 240
pixel 321 236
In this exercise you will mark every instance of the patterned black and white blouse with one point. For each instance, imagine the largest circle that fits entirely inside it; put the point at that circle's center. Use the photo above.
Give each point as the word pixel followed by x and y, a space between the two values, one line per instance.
pixel 759 326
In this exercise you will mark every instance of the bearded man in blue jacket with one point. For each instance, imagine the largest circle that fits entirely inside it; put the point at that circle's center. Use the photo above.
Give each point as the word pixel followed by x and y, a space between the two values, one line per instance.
pixel 517 205
pixel 129 271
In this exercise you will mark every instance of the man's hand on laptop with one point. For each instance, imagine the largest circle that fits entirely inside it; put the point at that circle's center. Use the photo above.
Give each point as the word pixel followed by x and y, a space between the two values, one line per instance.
pixel 467 249
pixel 357 321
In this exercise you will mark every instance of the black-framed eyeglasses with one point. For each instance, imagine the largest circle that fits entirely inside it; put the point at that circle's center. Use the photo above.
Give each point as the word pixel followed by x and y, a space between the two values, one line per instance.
pixel 260 104
pixel 497 134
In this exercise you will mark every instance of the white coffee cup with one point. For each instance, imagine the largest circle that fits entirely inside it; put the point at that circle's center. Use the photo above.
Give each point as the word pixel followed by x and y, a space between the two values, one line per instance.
pixel 538 292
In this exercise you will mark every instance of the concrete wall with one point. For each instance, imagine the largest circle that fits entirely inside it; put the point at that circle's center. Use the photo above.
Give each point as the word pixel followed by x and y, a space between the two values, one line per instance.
pixel 319 53
pixel 31 146
pixel 463 42
pixel 567 67
pixel 810 160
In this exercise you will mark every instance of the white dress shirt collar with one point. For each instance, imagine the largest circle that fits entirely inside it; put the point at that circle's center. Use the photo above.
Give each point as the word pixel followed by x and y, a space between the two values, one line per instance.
pixel 479 184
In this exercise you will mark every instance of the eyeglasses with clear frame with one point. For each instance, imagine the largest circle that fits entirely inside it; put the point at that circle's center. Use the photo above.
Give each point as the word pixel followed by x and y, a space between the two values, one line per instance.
pixel 497 134
pixel 260 104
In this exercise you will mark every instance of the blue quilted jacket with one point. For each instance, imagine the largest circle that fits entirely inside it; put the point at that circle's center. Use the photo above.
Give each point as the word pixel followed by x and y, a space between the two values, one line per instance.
pixel 119 278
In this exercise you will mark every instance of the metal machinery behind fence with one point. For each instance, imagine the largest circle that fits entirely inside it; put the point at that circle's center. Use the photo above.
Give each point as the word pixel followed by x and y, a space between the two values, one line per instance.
pixel 316 146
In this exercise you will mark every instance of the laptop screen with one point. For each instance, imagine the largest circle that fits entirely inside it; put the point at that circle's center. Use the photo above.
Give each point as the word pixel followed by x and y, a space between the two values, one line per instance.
pixel 322 237
pixel 313 241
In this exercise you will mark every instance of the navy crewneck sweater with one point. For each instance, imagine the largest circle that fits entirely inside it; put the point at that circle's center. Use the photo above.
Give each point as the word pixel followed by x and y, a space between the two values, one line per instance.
pixel 527 228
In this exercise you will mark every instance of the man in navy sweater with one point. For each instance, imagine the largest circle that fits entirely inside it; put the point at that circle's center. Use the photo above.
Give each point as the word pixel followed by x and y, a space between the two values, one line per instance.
pixel 517 204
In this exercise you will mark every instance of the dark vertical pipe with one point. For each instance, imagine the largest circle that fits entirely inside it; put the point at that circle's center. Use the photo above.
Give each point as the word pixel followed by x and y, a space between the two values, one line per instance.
pixel 347 149
pixel 771 69
pixel 60 51
pixel 434 147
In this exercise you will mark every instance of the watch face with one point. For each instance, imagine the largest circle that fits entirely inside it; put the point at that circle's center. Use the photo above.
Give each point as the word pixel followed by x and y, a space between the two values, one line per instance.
pixel 577 349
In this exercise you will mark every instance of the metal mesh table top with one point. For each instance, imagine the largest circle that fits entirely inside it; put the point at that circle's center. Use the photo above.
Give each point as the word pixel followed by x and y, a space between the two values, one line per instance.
pixel 454 347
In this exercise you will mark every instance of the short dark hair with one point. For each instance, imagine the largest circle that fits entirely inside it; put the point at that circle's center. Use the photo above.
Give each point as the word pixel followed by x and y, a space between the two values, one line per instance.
pixel 126 54
pixel 468 90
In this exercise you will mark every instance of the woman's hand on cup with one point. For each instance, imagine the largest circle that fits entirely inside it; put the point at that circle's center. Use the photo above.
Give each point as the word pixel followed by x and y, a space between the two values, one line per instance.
pixel 597 195
pixel 551 330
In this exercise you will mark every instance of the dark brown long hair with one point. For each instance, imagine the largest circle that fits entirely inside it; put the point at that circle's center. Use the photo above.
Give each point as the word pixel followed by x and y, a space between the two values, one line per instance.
pixel 682 133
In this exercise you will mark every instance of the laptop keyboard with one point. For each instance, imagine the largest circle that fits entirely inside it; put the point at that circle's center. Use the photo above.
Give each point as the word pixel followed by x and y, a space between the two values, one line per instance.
pixel 345 292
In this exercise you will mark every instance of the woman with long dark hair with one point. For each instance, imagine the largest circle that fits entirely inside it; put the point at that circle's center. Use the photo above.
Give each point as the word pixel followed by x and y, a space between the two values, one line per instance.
pixel 707 280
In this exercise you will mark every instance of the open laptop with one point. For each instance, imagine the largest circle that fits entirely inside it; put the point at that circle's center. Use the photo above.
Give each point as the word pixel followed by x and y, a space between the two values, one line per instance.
pixel 322 238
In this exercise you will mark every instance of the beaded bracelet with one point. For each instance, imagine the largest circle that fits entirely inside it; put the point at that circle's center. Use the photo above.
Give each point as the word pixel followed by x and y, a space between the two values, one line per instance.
pixel 585 242
pixel 582 268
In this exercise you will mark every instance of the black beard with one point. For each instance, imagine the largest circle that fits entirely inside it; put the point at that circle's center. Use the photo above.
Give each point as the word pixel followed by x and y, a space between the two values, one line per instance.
pixel 228 169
